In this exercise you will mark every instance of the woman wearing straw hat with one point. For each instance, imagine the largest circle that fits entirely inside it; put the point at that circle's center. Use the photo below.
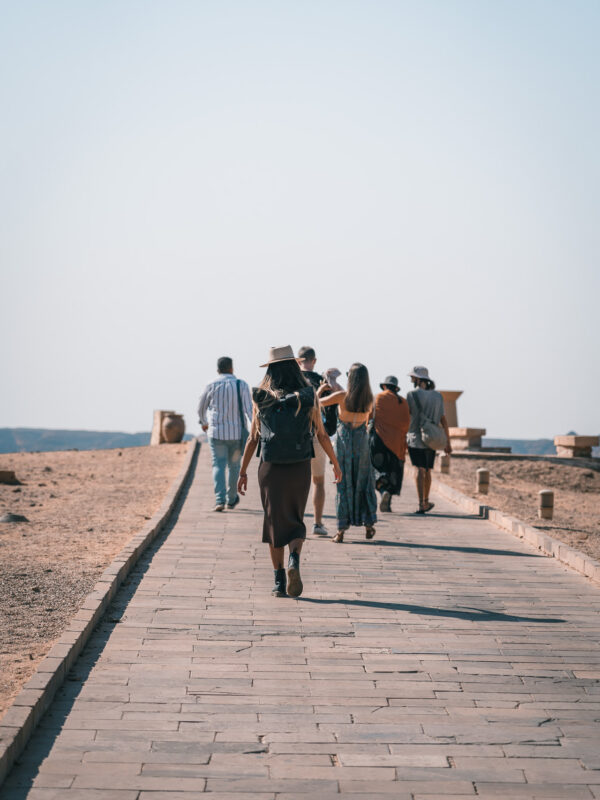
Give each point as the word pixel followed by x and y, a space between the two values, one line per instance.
pixel 285 418
pixel 388 441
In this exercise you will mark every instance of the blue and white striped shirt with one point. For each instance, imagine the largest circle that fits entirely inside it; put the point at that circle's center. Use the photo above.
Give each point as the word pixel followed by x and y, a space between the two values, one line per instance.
pixel 219 408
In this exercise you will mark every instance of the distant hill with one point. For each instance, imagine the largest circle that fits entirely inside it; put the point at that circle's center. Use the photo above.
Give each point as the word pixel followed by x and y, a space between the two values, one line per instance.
pixel 533 447
pixel 17 440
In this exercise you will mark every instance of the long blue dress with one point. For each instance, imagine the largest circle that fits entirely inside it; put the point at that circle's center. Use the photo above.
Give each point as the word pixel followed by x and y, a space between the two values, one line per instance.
pixel 356 501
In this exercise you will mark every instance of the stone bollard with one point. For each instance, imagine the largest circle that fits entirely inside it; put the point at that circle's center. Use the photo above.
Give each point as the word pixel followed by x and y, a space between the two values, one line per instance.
pixel 483 480
pixel 546 504
pixel 445 464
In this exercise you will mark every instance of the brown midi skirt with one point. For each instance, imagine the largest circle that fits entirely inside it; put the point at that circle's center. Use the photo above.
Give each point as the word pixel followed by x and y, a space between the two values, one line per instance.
pixel 284 491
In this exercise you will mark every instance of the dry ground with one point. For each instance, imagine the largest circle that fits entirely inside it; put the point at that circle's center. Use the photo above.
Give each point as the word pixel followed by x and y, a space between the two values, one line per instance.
pixel 514 487
pixel 82 509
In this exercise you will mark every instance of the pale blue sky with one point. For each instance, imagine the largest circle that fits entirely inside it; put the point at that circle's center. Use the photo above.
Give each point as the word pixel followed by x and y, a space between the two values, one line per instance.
pixel 398 183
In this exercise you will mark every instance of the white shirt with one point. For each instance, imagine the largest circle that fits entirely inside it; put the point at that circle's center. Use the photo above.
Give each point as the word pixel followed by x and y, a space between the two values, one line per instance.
pixel 219 408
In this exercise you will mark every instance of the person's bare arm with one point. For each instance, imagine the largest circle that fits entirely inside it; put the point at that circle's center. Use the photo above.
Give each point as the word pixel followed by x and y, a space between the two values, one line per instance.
pixel 444 424
pixel 331 399
pixel 249 450
pixel 325 443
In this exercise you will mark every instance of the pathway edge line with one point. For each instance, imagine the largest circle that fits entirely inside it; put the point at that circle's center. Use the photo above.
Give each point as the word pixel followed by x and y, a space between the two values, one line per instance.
pixel 569 556
pixel 37 694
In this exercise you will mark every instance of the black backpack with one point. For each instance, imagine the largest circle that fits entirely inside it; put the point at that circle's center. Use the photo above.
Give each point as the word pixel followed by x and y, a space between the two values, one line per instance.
pixel 286 427
pixel 330 419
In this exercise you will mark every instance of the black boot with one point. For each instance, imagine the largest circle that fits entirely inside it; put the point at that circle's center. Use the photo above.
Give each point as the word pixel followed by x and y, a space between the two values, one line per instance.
pixel 280 581
pixel 294 580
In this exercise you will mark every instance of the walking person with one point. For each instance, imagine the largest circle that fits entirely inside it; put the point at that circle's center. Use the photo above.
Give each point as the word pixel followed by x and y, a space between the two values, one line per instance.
pixel 388 441
pixel 225 411
pixel 285 418
pixel 356 501
pixel 425 405
pixel 307 359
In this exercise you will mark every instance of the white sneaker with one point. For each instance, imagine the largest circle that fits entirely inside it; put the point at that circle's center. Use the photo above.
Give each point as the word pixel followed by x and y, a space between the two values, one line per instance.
pixel 320 530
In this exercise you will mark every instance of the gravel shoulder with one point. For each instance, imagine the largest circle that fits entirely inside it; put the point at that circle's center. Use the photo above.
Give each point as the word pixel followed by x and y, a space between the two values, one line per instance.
pixel 514 487
pixel 82 508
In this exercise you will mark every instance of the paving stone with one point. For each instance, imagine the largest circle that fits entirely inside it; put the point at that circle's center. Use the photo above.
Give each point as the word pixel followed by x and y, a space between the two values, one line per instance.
pixel 560 791
pixel 203 796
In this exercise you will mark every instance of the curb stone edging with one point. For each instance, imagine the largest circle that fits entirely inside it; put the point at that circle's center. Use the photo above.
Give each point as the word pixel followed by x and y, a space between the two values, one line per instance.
pixel 37 694
pixel 576 560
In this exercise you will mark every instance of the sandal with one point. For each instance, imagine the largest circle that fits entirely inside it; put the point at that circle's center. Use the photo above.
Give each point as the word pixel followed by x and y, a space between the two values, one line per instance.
pixel 429 507
pixel 369 532
pixel 339 537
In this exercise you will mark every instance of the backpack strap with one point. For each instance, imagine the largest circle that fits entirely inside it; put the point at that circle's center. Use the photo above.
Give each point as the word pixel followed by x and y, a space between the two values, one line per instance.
pixel 244 430
pixel 417 401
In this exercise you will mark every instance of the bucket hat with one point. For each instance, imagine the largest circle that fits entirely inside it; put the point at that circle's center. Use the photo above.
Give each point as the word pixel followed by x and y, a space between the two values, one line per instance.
pixel 422 373
pixel 391 380
pixel 276 354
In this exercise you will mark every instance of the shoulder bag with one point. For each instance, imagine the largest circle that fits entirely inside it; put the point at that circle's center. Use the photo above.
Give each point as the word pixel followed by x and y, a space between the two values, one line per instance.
pixel 432 434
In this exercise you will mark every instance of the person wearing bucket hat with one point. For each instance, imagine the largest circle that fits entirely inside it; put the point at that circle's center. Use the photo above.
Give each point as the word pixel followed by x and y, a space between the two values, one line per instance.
pixel 285 418
pixel 387 440
pixel 425 404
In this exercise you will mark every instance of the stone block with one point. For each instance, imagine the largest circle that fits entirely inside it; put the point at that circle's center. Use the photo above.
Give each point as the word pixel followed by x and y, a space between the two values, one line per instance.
pixel 483 481
pixel 450 398
pixel 575 446
pixel 466 438
pixel 8 476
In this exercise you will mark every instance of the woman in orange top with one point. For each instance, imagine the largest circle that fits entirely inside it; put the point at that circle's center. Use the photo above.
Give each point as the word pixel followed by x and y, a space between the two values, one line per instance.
pixel 388 441
pixel 356 501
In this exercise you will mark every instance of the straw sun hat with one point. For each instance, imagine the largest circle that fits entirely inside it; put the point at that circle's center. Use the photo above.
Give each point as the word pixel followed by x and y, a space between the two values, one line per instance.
pixel 277 354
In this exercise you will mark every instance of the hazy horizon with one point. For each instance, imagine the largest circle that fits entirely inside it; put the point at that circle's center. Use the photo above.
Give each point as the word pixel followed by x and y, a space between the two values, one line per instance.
pixel 148 431
pixel 392 183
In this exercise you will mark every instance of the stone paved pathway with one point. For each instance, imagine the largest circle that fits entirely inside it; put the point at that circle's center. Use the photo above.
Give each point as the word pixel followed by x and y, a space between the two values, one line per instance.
pixel 443 659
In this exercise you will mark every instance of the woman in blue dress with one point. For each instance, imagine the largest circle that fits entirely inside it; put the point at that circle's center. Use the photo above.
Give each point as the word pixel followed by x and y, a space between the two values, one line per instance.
pixel 356 501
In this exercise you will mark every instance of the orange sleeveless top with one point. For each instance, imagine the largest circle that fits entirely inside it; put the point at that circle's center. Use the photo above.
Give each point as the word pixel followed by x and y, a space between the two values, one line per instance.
pixel 354 418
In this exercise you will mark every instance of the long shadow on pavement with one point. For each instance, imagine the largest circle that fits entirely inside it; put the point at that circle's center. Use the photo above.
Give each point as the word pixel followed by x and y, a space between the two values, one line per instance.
pixel 436 515
pixel 484 551
pixel 474 615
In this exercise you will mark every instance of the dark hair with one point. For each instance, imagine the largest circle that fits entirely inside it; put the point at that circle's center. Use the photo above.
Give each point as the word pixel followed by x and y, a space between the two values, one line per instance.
pixel 224 364
pixel 359 397
pixel 281 378
pixel 307 353
pixel 429 384
pixel 394 389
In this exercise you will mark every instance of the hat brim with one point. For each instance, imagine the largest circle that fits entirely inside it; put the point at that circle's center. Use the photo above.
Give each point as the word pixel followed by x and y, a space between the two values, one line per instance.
pixel 385 385
pixel 419 377
pixel 277 361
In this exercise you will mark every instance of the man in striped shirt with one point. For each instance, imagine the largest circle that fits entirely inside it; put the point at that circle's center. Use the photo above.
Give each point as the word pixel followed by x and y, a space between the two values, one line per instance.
pixel 225 412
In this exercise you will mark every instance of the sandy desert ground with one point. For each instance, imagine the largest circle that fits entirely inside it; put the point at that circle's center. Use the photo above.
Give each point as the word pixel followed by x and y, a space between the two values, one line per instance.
pixel 514 487
pixel 82 509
